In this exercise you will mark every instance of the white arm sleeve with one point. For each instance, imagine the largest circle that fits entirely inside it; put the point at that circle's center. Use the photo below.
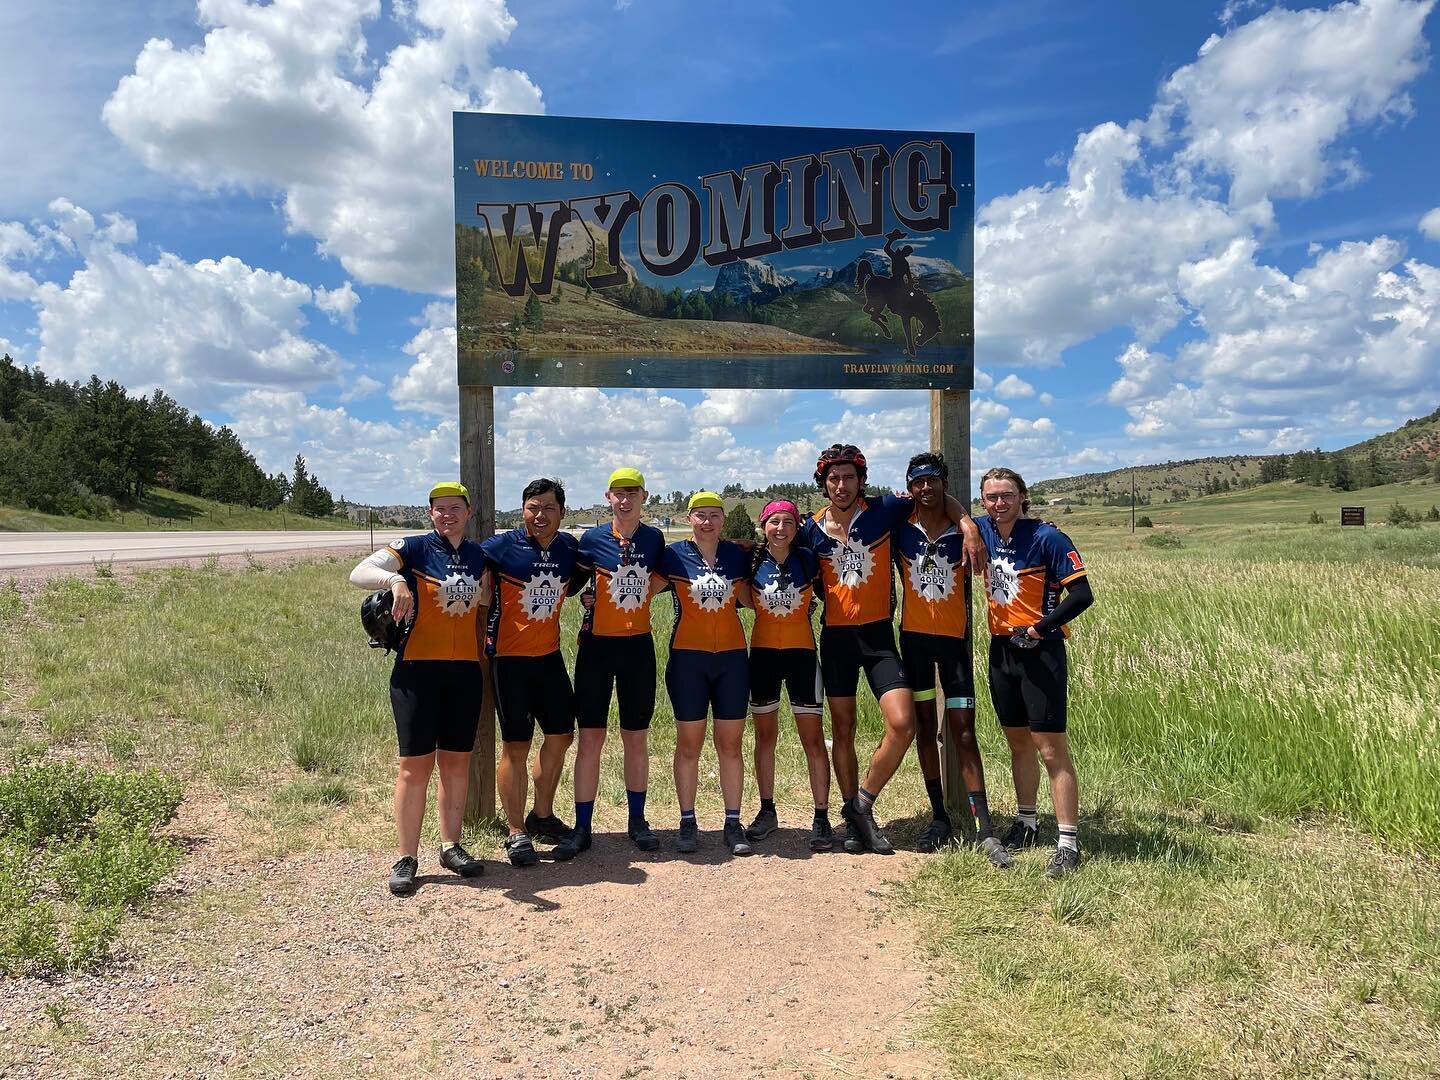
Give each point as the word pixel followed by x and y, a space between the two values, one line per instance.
pixel 377 571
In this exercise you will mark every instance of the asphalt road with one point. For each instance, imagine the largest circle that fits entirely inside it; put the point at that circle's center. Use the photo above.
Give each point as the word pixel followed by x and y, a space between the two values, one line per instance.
pixel 29 550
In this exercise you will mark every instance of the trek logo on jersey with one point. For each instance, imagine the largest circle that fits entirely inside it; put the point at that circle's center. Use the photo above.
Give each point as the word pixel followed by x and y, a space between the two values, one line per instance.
pixel 1004 583
pixel 932 577
pixel 541 596
pixel 456 594
pixel 629 585
pixel 710 591
pixel 853 562
pixel 779 598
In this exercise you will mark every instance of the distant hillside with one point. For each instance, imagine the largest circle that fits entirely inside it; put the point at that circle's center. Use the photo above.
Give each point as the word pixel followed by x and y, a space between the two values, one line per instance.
pixel 1409 452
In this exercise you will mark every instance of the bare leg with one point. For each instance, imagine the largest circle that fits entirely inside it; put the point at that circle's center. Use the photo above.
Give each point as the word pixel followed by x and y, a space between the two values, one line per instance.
pixel 454 780
pixel 689 739
pixel 842 749
pixel 728 736
pixel 927 746
pixel 411 788
pixel 962 730
pixel 587 763
pixel 1024 766
pixel 898 708
pixel 549 764
pixel 1054 750
pixel 637 759
pixel 767 734
pixel 812 738
pixel 513 780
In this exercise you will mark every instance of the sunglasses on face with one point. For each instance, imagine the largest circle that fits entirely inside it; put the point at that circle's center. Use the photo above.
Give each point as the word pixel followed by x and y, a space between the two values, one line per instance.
pixel 929 550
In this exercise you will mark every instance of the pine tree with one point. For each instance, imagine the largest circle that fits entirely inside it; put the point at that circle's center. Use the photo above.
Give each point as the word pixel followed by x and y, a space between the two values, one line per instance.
pixel 738 524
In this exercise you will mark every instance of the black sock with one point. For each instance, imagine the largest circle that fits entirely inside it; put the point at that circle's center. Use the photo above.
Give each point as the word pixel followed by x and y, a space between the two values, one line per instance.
pixel 980 811
pixel 767 804
pixel 936 791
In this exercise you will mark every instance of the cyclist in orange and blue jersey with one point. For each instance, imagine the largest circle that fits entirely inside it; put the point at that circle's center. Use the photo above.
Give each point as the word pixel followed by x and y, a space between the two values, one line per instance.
pixel 934 624
pixel 852 536
pixel 438 584
pixel 616 654
pixel 783 577
pixel 707 672
pixel 532 566
pixel 1031 564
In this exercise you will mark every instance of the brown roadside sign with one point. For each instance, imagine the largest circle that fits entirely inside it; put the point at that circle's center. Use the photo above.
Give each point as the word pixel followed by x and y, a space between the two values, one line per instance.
pixel 1352 515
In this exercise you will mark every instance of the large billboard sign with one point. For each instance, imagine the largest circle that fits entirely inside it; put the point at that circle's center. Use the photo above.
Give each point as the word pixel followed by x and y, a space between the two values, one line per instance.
pixel 637 253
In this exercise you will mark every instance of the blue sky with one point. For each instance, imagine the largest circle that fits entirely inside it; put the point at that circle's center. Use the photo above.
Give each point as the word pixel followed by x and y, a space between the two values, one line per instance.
pixel 1200 228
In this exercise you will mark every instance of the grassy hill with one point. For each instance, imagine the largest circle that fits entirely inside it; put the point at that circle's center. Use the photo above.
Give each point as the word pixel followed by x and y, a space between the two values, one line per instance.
pixel 162 509
pixel 836 315
pixel 575 323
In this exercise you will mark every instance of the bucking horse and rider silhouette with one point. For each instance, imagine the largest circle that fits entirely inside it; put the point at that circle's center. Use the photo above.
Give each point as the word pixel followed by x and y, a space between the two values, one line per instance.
pixel 900 294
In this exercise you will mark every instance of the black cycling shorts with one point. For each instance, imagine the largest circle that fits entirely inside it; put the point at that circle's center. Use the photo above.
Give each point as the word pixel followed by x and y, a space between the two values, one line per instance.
pixel 1028 686
pixel 796 668
pixel 708 683
pixel 625 665
pixel 436 704
pixel 923 653
pixel 530 690
pixel 847 650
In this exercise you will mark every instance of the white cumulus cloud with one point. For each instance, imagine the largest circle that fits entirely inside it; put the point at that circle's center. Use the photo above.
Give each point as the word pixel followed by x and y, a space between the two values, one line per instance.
pixel 1430 224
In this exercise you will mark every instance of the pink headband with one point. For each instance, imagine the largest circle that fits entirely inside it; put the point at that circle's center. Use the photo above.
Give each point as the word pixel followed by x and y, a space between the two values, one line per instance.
pixel 779 506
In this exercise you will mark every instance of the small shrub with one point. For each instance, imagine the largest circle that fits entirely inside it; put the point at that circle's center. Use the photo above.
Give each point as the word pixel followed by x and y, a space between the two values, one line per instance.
pixel 104 568
pixel 1433 514
pixel 1067 510
pixel 1315 518
pixel 1163 540
pixel 1401 516
pixel 1144 522
pixel 314 753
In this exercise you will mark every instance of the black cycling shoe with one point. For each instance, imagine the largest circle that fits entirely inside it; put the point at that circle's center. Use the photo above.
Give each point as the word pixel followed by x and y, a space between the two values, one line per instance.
pixel 521 851
pixel 870 833
pixel 549 827
pixel 689 838
pixel 644 836
pixel 821 836
pixel 1020 836
pixel 459 861
pixel 765 823
pixel 402 876
pixel 854 843
pixel 1063 862
pixel 735 839
pixel 937 836
pixel 572 845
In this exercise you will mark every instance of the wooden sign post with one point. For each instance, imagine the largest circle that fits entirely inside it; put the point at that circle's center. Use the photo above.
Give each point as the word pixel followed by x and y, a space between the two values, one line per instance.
pixel 477 472
pixel 950 435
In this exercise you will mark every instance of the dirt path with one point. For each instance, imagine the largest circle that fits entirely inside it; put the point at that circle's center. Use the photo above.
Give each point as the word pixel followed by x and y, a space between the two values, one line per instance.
pixel 618 964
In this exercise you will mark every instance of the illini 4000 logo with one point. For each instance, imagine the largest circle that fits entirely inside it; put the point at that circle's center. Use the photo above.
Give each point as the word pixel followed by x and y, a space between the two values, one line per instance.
pixel 541 597
pixel 710 591
pixel 629 587
pixel 932 577
pixel 852 562
pixel 1004 584
pixel 779 598
pixel 455 595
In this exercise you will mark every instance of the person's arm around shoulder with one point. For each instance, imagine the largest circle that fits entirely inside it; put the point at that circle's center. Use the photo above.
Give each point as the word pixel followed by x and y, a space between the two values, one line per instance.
pixel 975 558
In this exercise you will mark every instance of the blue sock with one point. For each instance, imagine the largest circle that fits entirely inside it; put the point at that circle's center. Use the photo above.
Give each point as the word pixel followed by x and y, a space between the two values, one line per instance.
pixel 864 800
pixel 687 815
pixel 636 799
pixel 732 815
pixel 584 814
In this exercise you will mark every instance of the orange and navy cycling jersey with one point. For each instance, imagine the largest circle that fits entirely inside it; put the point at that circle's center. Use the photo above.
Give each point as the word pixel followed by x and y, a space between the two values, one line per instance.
pixel 446 584
pixel 707 618
pixel 1027 572
pixel 782 597
pixel 529 591
pixel 856 572
pixel 932 581
pixel 622 569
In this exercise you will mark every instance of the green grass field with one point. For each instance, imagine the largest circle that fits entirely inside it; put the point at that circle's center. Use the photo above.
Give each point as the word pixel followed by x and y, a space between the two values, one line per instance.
pixel 162 509
pixel 1255 723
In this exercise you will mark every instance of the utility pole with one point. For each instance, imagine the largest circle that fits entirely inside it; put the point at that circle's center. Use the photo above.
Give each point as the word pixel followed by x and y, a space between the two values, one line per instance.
pixel 1132 500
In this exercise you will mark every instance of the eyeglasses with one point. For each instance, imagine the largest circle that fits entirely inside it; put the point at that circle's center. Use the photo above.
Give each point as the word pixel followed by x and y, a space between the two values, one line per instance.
pixel 1000 496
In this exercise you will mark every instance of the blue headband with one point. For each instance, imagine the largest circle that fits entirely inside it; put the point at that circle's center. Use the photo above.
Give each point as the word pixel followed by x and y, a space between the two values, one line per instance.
pixel 921 470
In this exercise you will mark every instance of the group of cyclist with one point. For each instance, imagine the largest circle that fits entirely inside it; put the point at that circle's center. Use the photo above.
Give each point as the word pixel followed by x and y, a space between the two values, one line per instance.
pixel 501 598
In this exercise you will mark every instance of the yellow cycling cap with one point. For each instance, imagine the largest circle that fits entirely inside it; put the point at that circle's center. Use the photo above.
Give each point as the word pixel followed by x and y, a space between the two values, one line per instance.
pixel 626 477
pixel 450 489
pixel 704 498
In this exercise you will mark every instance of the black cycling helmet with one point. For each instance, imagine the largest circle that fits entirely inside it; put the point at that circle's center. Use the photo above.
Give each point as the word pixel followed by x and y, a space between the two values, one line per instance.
pixel 385 633
pixel 840 454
